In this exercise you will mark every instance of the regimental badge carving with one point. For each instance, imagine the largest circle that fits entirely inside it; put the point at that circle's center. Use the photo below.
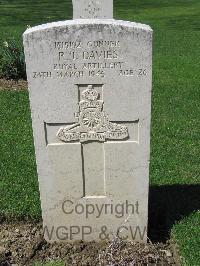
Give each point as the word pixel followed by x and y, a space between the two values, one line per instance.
pixel 93 124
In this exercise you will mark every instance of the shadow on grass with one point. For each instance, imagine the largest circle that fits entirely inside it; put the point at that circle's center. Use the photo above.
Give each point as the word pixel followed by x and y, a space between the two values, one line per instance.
pixel 169 204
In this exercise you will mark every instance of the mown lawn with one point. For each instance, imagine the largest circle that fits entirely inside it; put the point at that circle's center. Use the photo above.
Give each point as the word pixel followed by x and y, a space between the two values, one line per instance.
pixel 175 159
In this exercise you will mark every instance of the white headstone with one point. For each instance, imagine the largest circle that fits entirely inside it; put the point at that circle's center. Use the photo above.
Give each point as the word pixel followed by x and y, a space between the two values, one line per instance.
pixel 90 95
pixel 92 9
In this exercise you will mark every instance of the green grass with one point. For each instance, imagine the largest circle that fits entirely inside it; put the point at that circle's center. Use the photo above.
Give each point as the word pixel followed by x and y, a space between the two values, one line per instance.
pixel 175 159
pixel 187 234
pixel 18 185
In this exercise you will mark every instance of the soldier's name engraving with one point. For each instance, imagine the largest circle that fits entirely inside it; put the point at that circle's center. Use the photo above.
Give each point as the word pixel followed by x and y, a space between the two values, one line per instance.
pixel 90 59
pixel 88 55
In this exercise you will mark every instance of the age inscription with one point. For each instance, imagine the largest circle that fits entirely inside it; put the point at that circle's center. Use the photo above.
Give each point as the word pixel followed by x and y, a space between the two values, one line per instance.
pixel 98 58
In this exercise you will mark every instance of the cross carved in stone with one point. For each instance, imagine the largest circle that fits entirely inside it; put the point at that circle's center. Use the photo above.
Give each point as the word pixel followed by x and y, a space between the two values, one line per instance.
pixel 93 130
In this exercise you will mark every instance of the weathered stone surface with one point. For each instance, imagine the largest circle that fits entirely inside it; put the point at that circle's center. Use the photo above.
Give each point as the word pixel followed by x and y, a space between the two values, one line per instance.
pixel 89 9
pixel 90 95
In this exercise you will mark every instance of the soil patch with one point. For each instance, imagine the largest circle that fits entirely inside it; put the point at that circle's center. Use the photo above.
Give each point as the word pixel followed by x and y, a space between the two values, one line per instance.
pixel 23 244
pixel 6 84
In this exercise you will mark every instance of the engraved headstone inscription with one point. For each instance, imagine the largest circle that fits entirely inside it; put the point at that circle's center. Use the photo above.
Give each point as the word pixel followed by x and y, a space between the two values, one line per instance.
pixel 90 95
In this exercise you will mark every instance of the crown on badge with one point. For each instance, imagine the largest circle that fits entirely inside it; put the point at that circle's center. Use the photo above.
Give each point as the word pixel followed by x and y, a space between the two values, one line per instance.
pixel 90 94
pixel 90 99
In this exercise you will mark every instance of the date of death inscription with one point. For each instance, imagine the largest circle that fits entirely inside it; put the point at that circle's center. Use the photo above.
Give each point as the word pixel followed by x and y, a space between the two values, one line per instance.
pixel 93 59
